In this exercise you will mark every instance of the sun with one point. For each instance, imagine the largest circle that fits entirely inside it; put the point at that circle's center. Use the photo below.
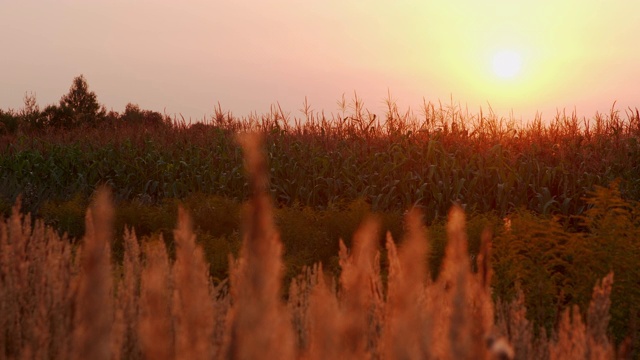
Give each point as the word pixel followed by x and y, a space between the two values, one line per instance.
pixel 507 64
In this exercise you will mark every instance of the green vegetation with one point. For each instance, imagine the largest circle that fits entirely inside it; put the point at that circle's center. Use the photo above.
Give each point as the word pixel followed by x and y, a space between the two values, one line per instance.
pixel 567 188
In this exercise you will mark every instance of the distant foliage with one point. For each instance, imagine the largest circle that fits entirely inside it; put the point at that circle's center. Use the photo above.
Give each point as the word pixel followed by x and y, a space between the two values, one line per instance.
pixel 78 107
pixel 9 122
pixel 134 116
pixel 30 115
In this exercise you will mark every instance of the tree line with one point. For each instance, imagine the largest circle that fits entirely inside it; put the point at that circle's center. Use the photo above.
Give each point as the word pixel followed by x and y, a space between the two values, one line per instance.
pixel 78 108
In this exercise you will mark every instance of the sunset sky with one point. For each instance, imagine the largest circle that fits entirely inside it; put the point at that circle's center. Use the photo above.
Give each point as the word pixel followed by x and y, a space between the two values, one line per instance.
pixel 185 56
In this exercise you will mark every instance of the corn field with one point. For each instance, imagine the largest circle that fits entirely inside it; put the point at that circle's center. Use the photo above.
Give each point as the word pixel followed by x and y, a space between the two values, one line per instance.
pixel 440 157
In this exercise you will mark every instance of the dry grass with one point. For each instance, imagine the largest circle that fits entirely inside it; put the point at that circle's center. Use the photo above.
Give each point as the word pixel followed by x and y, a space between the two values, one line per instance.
pixel 57 304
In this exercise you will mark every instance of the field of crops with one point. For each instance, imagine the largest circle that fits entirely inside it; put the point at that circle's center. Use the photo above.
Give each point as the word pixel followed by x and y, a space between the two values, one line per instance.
pixel 483 163
pixel 560 199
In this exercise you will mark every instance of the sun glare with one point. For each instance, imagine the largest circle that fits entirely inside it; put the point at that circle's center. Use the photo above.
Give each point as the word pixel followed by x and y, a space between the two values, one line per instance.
pixel 507 64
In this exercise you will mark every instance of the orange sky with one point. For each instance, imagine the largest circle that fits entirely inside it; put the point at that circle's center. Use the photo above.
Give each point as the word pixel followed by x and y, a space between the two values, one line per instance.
pixel 184 57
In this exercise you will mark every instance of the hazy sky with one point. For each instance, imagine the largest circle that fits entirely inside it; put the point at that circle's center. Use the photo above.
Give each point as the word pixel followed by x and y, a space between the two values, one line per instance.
pixel 185 56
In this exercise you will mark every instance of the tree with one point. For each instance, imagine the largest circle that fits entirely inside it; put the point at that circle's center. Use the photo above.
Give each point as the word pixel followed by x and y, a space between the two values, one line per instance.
pixel 9 122
pixel 133 115
pixel 78 107
pixel 30 113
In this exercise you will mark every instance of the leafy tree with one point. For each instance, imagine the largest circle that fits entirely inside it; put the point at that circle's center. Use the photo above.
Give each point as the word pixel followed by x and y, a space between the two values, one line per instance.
pixel 52 115
pixel 78 107
pixel 134 115
pixel 9 122
pixel 30 113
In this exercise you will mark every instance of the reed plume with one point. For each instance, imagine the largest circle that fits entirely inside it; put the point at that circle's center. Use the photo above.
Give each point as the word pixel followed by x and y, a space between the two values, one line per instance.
pixel 94 298
pixel 406 324
pixel 155 329
pixel 259 325
pixel 192 300
pixel 360 296
pixel 124 344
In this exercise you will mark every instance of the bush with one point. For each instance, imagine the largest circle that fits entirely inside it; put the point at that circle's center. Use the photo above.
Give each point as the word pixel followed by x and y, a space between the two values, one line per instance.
pixel 9 122
pixel 555 267
pixel 134 116
pixel 66 216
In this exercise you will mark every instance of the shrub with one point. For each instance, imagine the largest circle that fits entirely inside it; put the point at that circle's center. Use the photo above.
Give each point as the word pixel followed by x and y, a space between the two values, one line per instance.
pixel 9 122
pixel 134 116
pixel 66 216
pixel 556 268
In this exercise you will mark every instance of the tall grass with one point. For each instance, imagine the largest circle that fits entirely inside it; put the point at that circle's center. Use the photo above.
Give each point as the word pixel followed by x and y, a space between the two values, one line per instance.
pixel 59 301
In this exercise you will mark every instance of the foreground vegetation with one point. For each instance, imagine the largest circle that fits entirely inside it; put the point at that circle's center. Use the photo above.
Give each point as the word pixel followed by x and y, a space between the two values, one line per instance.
pixel 59 301
pixel 559 197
